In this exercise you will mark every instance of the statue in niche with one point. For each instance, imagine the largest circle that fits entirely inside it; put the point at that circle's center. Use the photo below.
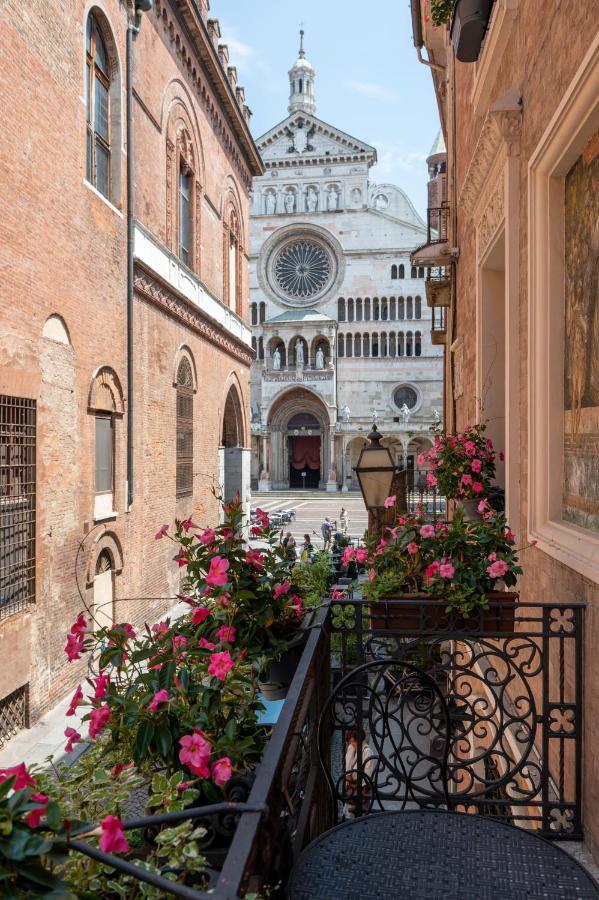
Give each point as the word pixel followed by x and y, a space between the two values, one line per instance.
pixel 405 414
pixel 356 196
pixel 436 416
pixel 276 360
pixel 319 358
pixel 345 413
pixel 289 202
pixel 299 353
pixel 332 199
pixel 271 203
pixel 381 201
pixel 311 200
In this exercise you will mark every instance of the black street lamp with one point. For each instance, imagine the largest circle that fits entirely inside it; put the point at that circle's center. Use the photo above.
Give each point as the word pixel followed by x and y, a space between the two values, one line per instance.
pixel 375 471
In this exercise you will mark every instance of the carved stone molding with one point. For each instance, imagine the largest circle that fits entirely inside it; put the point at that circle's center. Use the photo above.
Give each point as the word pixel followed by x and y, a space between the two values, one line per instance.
pixel 457 349
pixel 153 289
pixel 170 166
pixel 501 129
pixel 491 218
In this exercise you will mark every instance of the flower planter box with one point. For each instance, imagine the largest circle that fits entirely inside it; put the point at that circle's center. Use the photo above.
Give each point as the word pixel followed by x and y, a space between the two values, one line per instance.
pixel 405 614
pixel 281 671
pixel 468 28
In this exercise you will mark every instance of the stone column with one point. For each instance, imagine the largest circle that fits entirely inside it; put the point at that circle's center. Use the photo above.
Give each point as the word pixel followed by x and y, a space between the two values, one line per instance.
pixel 332 471
pixel 264 483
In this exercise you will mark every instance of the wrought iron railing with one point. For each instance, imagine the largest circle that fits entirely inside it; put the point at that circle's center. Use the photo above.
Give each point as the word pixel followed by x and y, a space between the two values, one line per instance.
pixel 438 224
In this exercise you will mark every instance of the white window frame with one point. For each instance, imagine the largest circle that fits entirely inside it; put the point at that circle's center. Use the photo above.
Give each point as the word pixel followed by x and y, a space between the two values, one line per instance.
pixel 573 124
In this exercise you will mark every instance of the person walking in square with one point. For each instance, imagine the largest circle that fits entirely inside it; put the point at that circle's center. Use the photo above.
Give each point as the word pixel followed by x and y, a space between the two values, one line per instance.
pixel 326 531
pixel 344 520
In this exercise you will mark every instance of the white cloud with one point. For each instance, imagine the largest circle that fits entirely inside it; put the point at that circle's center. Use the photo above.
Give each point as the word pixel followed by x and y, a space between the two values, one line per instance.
pixel 241 54
pixel 373 91
pixel 394 158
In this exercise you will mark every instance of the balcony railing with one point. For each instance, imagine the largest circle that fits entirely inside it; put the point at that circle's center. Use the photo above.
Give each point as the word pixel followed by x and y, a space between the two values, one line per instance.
pixel 438 286
pixel 514 695
pixel 438 224
pixel 439 325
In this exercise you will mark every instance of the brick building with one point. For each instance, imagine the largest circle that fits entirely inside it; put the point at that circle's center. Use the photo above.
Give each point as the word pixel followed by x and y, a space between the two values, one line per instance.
pixel 519 246
pixel 81 493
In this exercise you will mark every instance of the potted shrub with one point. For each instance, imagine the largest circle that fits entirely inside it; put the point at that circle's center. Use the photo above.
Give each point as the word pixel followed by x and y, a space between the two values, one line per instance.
pixel 469 20
pixel 462 467
pixel 459 566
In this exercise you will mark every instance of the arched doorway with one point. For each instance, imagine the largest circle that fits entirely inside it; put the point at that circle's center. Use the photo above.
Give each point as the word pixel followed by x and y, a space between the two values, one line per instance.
pixel 300 436
pixel 104 590
pixel 234 478
pixel 304 451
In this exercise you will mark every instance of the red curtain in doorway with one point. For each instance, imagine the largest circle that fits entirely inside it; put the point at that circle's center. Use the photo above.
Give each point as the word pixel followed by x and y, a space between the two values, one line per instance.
pixel 306 453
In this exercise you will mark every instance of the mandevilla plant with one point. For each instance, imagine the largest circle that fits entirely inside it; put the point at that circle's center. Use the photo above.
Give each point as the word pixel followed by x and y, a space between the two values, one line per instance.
pixel 460 562
pixel 442 11
pixel 461 466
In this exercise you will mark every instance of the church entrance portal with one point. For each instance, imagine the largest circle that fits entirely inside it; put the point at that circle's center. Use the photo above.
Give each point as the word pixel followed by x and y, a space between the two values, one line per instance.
pixel 303 435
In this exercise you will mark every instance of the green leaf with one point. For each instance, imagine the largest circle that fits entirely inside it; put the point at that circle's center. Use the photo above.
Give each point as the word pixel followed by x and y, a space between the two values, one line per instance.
pixel 53 815
pixel 145 733
pixel 164 739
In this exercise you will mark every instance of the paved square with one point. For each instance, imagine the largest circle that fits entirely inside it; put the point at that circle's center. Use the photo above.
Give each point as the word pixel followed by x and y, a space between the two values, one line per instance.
pixel 310 508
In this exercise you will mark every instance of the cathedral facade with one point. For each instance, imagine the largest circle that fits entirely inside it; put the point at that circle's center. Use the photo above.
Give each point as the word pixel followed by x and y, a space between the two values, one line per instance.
pixel 340 324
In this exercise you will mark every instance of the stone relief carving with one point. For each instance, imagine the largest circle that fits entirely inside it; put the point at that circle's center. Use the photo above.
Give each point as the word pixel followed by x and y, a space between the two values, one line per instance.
pixel 332 199
pixel 502 124
pixel 319 358
pixel 170 164
pixel 381 201
pixel 458 367
pixel 491 218
pixel 311 199
pixel 270 203
pixel 276 360
pixel 290 201
pixel 356 196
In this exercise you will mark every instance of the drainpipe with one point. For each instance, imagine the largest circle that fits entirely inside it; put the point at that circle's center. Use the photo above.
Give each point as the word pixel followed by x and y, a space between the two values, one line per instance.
pixel 132 30
pixel 418 38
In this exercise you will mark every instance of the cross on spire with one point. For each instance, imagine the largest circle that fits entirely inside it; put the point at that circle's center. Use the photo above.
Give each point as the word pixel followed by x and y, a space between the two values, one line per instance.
pixel 301 49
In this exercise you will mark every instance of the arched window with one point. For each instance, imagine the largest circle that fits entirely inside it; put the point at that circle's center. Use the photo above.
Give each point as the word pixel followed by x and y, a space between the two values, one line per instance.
pixel 97 102
pixel 106 403
pixel 384 343
pixel 350 310
pixel 233 292
pixel 260 348
pixel 357 345
pixel 418 308
pixel 394 272
pixel 375 309
pixel 366 345
pixel 254 313
pixel 348 345
pixel 359 309
pixel 414 273
pixel 262 312
pixel 341 309
pixel 409 343
pixel 367 309
pixel 340 345
pixel 185 212
pixel 393 309
pixel 401 308
pixel 184 437
pixel 392 344
pixel 409 308
pixel 255 345
pixel 400 343
pixel 401 271
pixel 384 309
pixel 375 344
pixel 420 271
pixel 418 344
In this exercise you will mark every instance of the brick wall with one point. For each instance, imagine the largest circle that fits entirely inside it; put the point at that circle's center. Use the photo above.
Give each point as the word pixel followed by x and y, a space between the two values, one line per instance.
pixel 64 252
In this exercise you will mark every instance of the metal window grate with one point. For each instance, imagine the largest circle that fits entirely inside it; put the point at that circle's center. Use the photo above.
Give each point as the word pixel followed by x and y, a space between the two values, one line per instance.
pixel 14 713
pixel 17 503
pixel 184 486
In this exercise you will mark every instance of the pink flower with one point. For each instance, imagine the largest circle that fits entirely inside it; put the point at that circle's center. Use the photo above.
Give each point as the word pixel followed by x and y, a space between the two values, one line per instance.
pixel 281 589
pixel 412 548
pixel 179 643
pixel 476 465
pixel 158 698
pixel 427 531
pixel 497 569
pixel 208 536
pixel 482 506
pixel 218 571
pixel 161 532
pixel 76 699
pixel 446 570
pixel 226 633
pixel 101 683
pixel 431 480
pixel 112 839
pixel 79 626
pixel 34 817
pixel 533 543
pixel 255 531
pixel 431 571
pixel 98 719
pixel 73 647
pixel 489 443
pixel 509 536
pixel 223 601
pixel 469 448
pixel 348 554
pixel 338 595
pixel 181 559
pixel 195 753
pixel 220 665
pixel 207 645
pixel 160 627
pixel 371 574
pixel 298 605
pixel 73 738
pixel 228 534
pixel 187 525
pixel 390 501
pixel 22 777
pixel 254 558
pixel 127 629
pixel 420 459
pixel 221 770
pixel 477 487
pixel 492 557
pixel 199 614
pixel 262 517
pixel 501 455
pixel 361 555
pixel 466 479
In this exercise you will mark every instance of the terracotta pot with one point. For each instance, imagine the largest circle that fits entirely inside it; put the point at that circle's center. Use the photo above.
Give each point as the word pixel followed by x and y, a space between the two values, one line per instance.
pixel 402 614
pixel 281 672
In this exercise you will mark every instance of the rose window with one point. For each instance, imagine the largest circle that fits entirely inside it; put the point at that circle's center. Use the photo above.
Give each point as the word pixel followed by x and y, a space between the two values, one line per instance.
pixel 302 269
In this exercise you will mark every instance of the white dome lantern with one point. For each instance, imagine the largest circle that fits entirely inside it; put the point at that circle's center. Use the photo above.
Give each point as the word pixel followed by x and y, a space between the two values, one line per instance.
pixel 301 83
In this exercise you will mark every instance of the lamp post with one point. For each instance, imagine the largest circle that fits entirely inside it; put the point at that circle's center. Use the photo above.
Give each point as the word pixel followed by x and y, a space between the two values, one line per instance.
pixel 376 473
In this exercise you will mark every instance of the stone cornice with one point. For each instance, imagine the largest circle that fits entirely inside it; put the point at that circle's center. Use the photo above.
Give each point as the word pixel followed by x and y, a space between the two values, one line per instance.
pixel 501 129
pixel 153 289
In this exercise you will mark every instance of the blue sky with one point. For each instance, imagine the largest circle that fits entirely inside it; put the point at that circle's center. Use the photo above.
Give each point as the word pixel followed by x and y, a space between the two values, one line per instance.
pixel 368 79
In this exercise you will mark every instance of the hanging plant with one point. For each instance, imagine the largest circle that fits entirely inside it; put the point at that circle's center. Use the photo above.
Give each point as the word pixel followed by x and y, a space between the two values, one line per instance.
pixel 442 11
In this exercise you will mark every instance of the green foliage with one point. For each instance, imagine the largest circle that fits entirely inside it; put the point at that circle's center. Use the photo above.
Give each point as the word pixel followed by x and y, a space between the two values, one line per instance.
pixel 442 11
pixel 312 580
pixel 462 466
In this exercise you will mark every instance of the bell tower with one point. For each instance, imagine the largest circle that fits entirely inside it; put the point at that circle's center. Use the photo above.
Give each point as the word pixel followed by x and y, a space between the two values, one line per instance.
pixel 301 83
